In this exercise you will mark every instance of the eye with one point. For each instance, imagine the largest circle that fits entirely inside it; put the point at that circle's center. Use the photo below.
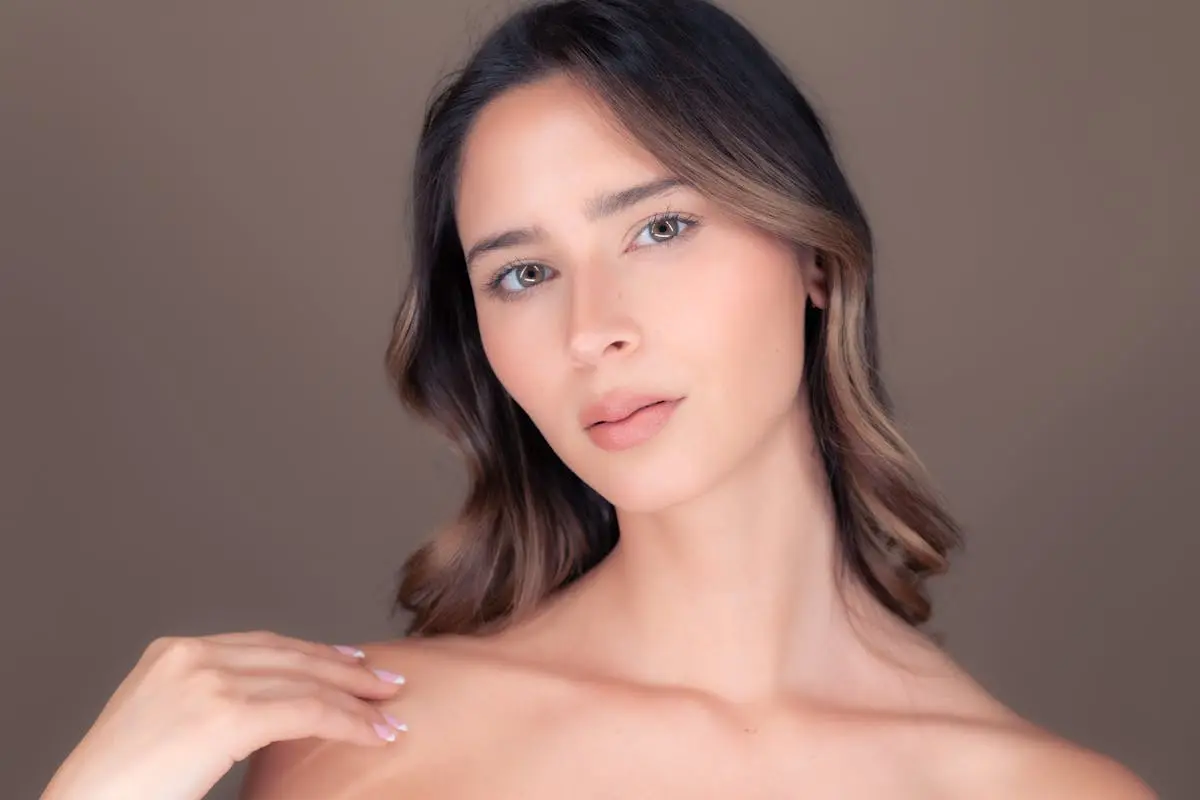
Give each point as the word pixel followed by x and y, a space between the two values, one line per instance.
pixel 515 279
pixel 664 228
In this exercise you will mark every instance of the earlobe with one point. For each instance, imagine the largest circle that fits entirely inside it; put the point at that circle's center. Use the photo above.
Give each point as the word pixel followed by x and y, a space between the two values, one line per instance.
pixel 816 278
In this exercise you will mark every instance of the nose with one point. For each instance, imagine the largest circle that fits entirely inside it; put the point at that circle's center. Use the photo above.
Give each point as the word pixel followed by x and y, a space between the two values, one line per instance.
pixel 599 324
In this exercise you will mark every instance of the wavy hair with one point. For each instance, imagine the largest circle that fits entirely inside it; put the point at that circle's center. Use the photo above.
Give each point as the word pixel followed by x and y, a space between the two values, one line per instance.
pixel 697 90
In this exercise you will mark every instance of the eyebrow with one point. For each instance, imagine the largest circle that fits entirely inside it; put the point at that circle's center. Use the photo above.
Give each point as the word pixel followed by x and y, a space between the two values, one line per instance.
pixel 604 205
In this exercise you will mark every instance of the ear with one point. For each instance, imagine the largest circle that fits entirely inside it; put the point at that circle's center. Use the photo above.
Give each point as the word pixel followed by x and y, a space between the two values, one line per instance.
pixel 815 274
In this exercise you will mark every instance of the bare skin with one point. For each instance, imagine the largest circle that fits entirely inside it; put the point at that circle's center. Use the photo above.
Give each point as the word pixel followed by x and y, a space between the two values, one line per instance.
pixel 486 720
pixel 714 653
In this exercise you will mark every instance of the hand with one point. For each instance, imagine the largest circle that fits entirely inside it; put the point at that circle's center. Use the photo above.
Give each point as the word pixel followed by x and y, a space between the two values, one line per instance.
pixel 192 707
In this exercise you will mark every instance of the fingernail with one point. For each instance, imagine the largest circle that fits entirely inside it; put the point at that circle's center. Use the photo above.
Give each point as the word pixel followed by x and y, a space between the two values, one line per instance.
pixel 384 731
pixel 350 651
pixel 390 677
pixel 395 723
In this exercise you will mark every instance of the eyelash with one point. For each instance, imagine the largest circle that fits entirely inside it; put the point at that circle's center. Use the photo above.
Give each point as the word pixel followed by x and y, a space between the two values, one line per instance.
pixel 492 286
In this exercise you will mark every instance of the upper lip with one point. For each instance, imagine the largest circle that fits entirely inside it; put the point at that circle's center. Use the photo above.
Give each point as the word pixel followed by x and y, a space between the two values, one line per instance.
pixel 616 405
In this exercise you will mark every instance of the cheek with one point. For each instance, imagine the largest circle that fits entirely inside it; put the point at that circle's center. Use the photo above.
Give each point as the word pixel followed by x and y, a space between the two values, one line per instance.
pixel 517 345
pixel 743 319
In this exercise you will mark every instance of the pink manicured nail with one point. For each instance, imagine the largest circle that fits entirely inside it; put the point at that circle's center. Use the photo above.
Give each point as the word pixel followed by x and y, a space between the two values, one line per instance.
pixel 350 651
pixel 384 731
pixel 390 677
pixel 395 723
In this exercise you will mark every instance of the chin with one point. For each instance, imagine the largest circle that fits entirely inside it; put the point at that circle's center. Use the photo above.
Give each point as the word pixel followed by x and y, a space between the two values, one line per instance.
pixel 674 468
pixel 646 479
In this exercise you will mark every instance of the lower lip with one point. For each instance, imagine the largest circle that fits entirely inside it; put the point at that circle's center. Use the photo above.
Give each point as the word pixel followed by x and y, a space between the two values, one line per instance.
pixel 634 429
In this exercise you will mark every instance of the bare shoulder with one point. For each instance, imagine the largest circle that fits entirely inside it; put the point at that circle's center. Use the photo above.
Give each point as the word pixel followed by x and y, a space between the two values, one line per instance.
pixel 1026 761
pixel 975 746
pixel 1049 767
pixel 449 702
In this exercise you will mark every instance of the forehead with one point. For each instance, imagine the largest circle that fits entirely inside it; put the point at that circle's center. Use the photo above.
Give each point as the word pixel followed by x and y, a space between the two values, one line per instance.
pixel 540 149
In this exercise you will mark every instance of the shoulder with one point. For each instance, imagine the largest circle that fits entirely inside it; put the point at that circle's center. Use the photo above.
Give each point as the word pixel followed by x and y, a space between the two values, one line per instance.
pixel 1025 761
pixel 452 702
pixel 971 744
pixel 1049 767
pixel 314 767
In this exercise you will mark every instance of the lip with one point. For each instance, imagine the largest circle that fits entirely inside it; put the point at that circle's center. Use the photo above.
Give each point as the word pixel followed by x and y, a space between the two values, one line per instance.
pixel 616 406
pixel 619 422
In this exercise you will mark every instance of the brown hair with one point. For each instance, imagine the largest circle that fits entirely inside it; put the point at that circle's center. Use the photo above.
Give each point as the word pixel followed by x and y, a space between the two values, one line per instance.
pixel 695 88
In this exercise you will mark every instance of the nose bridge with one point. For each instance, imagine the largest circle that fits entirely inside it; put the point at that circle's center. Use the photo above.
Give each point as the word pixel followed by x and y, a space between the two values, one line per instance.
pixel 598 318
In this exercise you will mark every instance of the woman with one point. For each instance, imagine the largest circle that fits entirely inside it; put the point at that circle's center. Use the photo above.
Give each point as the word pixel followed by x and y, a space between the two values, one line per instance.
pixel 692 558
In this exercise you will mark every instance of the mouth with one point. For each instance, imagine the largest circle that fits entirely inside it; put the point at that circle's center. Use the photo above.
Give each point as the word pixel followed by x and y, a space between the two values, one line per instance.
pixel 633 428
pixel 616 421
pixel 618 405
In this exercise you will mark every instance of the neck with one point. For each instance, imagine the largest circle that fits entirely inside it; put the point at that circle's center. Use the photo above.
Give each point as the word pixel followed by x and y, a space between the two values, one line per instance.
pixel 734 592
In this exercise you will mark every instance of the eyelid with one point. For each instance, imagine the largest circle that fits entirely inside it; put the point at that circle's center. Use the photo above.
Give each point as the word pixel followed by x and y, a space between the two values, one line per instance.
pixel 492 282
pixel 502 271
pixel 689 221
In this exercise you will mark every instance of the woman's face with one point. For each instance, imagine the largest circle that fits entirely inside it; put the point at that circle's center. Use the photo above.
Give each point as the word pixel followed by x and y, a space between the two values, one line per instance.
pixel 660 296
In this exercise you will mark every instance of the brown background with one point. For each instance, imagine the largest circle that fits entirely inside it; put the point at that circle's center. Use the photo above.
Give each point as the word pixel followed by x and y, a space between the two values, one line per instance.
pixel 203 240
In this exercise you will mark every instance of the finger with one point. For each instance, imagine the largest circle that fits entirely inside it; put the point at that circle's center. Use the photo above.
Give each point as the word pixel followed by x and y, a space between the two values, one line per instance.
pixel 319 649
pixel 294 709
pixel 356 678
